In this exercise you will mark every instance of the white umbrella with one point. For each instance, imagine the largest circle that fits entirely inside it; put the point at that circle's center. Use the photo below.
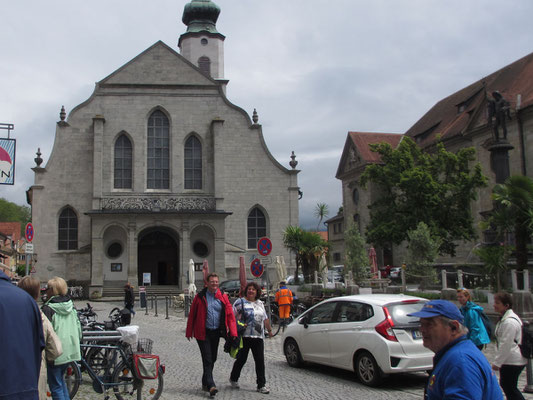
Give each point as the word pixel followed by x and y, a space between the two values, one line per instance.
pixel 283 267
pixel 279 270
pixel 192 286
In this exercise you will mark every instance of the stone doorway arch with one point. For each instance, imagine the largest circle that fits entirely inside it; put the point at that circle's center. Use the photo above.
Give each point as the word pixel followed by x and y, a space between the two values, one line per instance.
pixel 158 254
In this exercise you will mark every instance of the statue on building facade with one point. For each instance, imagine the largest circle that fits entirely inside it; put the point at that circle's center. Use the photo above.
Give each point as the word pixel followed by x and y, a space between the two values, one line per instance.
pixel 499 112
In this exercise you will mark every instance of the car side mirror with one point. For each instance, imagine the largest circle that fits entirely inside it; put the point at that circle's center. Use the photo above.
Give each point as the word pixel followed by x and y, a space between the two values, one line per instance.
pixel 304 321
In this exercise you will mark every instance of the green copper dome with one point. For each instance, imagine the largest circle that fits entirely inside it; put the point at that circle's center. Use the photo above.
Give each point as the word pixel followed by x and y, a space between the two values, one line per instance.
pixel 201 16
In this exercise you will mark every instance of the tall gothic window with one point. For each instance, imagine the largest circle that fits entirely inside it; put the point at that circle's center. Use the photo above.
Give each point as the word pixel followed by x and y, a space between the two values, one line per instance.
pixel 68 230
pixel 123 163
pixel 158 151
pixel 204 63
pixel 193 163
pixel 256 227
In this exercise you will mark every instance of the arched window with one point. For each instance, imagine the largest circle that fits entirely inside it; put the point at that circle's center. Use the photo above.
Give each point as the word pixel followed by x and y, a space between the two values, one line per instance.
pixel 256 227
pixel 204 63
pixel 123 163
pixel 158 151
pixel 193 163
pixel 68 230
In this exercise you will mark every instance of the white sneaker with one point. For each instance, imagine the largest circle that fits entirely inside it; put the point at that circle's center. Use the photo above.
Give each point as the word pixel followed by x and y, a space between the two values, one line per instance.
pixel 234 385
pixel 263 390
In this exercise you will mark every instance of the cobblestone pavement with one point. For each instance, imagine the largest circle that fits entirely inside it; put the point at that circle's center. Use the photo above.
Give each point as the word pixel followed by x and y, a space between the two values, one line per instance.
pixel 184 368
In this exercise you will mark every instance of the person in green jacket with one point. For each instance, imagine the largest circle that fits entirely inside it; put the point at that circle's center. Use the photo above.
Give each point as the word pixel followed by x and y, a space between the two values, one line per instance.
pixel 61 312
pixel 472 315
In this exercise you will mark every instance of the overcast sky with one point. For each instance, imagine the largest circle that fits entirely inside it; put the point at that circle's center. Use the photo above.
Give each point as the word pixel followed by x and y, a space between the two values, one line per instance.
pixel 313 69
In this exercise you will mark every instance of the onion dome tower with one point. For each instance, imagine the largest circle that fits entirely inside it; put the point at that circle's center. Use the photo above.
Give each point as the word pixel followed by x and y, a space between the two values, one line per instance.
pixel 202 44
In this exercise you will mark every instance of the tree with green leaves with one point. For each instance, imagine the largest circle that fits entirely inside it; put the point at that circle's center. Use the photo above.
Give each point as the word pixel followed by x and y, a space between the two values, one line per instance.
pixel 357 259
pixel 417 186
pixel 514 213
pixel 321 212
pixel 11 212
pixel 308 248
pixel 494 257
pixel 422 251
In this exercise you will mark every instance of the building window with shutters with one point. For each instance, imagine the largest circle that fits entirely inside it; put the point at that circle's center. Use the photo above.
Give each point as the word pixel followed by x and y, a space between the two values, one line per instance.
pixel 68 230
pixel 204 63
pixel 256 227
pixel 158 152
pixel 123 163
pixel 193 163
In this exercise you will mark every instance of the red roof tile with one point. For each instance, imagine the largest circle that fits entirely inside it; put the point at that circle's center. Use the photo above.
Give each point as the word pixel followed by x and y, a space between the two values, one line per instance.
pixel 11 229
pixel 459 112
pixel 362 140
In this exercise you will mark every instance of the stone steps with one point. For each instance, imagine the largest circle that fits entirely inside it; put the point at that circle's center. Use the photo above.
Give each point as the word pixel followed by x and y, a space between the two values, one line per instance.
pixel 159 291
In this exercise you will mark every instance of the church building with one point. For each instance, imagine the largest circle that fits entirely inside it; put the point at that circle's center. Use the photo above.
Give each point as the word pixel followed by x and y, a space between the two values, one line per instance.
pixel 158 167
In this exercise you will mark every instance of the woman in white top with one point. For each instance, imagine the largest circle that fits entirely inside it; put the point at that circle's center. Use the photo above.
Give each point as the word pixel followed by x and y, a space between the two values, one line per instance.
pixel 509 360
pixel 251 311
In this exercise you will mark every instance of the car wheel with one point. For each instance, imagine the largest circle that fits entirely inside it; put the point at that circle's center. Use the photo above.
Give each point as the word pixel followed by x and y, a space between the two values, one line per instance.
pixel 292 353
pixel 367 369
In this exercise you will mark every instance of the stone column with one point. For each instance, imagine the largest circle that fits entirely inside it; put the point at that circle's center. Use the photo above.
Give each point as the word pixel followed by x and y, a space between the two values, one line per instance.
pixel 218 161
pixel 185 253
pixel 98 154
pixel 97 270
pixel 133 276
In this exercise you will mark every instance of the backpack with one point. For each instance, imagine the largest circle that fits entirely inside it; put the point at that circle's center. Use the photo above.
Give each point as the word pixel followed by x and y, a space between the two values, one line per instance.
pixel 526 347
pixel 487 323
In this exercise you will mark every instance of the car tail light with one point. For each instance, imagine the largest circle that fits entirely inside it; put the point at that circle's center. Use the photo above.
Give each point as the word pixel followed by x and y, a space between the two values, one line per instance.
pixel 163 368
pixel 384 328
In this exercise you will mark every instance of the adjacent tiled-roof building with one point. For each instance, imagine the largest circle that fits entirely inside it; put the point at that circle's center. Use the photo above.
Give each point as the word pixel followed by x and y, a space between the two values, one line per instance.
pixel 459 120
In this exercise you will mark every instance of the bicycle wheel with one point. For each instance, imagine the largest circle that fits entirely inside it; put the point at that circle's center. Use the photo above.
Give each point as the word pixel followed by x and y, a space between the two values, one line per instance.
pixel 130 387
pixel 72 378
pixel 275 324
pixel 100 359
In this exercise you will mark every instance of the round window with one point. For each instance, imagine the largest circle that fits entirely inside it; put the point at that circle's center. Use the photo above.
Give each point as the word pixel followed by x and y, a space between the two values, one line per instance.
pixel 355 196
pixel 203 41
pixel 114 250
pixel 200 249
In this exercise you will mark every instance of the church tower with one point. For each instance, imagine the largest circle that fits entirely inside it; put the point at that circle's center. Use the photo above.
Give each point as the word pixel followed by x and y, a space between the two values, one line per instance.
pixel 202 44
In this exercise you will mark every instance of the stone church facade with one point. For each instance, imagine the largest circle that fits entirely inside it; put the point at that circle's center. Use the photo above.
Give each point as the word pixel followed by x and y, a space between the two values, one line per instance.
pixel 158 167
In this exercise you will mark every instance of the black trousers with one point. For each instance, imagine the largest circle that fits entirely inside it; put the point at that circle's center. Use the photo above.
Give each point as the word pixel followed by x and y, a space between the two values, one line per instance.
pixel 258 351
pixel 509 379
pixel 209 351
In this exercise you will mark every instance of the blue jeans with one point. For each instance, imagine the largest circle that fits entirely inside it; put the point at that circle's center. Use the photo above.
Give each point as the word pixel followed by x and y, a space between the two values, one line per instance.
pixel 57 384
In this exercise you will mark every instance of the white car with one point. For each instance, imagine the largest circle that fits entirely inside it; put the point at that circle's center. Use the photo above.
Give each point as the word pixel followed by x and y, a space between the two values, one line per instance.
pixel 368 334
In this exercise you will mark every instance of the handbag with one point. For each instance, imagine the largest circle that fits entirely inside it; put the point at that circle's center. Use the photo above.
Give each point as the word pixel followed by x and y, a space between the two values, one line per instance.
pixel 146 366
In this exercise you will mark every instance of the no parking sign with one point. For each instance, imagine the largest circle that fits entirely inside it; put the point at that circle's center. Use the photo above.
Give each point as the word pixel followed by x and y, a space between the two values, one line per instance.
pixel 257 268
pixel 264 246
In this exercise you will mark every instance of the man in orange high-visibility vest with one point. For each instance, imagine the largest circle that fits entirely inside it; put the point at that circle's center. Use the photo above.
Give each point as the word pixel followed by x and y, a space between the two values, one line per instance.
pixel 284 300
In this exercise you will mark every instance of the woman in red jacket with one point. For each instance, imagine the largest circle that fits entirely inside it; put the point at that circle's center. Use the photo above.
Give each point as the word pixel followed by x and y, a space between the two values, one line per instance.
pixel 211 315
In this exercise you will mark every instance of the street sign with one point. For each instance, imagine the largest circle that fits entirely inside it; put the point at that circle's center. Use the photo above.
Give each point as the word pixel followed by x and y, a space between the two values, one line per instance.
pixel 256 268
pixel 29 232
pixel 33 270
pixel 265 260
pixel 264 246
pixel 29 248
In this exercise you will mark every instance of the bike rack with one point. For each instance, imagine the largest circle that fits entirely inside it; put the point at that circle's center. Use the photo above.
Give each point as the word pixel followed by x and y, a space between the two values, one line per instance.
pixel 101 336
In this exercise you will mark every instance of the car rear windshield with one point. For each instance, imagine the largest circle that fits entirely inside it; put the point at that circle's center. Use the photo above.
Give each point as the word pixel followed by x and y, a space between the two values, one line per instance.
pixel 399 311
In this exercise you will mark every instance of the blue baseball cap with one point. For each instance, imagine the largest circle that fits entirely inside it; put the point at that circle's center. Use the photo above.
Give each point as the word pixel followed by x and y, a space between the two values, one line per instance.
pixel 434 308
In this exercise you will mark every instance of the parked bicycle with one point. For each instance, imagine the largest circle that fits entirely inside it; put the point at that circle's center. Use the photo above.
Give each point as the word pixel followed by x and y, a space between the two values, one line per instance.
pixel 119 375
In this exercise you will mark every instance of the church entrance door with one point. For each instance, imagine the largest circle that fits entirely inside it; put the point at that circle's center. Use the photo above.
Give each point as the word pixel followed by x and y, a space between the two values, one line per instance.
pixel 158 255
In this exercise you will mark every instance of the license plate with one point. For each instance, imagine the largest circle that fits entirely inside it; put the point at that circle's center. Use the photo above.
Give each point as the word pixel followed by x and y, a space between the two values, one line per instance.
pixel 417 335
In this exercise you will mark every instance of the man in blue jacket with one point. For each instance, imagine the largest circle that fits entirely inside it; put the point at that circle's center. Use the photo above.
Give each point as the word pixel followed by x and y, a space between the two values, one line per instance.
pixel 22 340
pixel 460 370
